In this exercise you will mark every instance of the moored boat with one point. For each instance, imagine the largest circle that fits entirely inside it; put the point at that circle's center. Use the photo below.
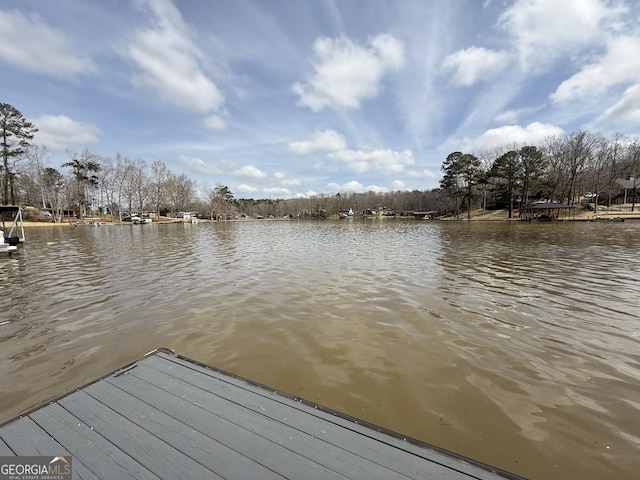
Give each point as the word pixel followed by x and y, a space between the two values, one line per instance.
pixel 14 235
pixel 598 218
pixel 5 247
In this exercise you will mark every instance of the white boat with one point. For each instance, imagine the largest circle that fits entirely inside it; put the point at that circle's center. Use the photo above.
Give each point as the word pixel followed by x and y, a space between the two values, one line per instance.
pixel 5 248
pixel 345 213
pixel 88 222
pixel 9 240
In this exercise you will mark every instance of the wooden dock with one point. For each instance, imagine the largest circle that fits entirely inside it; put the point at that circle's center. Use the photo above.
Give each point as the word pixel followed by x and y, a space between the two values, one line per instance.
pixel 168 417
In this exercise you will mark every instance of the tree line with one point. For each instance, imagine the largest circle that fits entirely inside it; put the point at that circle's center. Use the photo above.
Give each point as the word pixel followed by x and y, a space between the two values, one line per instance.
pixel 91 184
pixel 559 169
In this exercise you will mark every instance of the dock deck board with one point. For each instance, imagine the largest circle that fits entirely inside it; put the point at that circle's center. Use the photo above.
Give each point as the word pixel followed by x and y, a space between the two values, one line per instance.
pixel 5 450
pixel 169 417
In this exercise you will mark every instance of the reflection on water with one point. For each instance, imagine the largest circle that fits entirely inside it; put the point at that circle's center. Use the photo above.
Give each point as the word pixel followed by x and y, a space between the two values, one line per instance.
pixel 516 344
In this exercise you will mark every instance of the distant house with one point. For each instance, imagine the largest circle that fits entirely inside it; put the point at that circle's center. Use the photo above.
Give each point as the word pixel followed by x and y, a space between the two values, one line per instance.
pixel 518 198
pixel 183 215
pixel 629 187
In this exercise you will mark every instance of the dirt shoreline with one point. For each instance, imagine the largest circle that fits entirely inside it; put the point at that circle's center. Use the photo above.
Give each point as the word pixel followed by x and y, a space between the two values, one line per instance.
pixel 477 215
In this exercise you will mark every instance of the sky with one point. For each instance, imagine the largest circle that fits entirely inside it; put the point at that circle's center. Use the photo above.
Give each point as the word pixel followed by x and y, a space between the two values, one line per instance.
pixel 295 98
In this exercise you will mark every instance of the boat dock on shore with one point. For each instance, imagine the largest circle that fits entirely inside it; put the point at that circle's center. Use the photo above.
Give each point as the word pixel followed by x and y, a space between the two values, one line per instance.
pixel 13 235
pixel 166 416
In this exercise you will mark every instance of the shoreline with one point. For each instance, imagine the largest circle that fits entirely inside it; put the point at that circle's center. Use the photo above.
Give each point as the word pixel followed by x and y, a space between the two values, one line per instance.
pixel 477 216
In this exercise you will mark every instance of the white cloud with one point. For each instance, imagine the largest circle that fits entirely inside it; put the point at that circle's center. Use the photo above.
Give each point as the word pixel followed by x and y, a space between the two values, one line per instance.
pixel 351 186
pixel 389 50
pixel 532 134
pixel 509 116
pixel 423 173
pixel 475 64
pixel 200 166
pixel 277 191
pixel 346 73
pixel 247 189
pixel 290 182
pixel 58 132
pixel 620 64
pixel 320 141
pixel 253 180
pixel 249 171
pixel 307 194
pixel 283 181
pixel 512 116
pixel 547 29
pixel 29 44
pixel 214 122
pixel 362 160
pixel 376 189
pixel 355 187
pixel 170 63
pixel 398 185
pixel 623 113
pixel 385 161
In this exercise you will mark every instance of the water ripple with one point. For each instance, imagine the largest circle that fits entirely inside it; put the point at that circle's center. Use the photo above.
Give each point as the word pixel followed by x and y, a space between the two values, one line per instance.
pixel 527 333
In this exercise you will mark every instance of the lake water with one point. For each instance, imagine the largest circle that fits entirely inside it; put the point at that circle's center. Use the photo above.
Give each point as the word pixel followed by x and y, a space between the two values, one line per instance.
pixel 517 344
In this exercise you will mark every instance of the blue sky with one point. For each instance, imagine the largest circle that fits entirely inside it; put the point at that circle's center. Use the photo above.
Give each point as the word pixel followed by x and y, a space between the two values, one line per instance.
pixel 289 98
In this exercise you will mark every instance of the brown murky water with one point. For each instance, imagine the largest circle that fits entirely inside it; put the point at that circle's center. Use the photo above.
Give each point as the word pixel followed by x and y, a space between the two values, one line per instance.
pixel 516 344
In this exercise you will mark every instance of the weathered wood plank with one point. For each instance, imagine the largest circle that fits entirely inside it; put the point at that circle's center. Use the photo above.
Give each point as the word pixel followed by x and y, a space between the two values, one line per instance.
pixel 205 449
pixel 158 456
pixel 204 414
pixel 404 458
pixel 81 472
pixel 169 417
pixel 433 454
pixel 25 437
pixel 250 424
pixel 83 443
pixel 270 419
pixel 5 451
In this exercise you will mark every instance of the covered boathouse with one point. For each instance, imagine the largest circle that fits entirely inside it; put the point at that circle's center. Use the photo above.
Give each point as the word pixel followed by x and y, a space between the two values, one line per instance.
pixel 169 417
pixel 547 211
